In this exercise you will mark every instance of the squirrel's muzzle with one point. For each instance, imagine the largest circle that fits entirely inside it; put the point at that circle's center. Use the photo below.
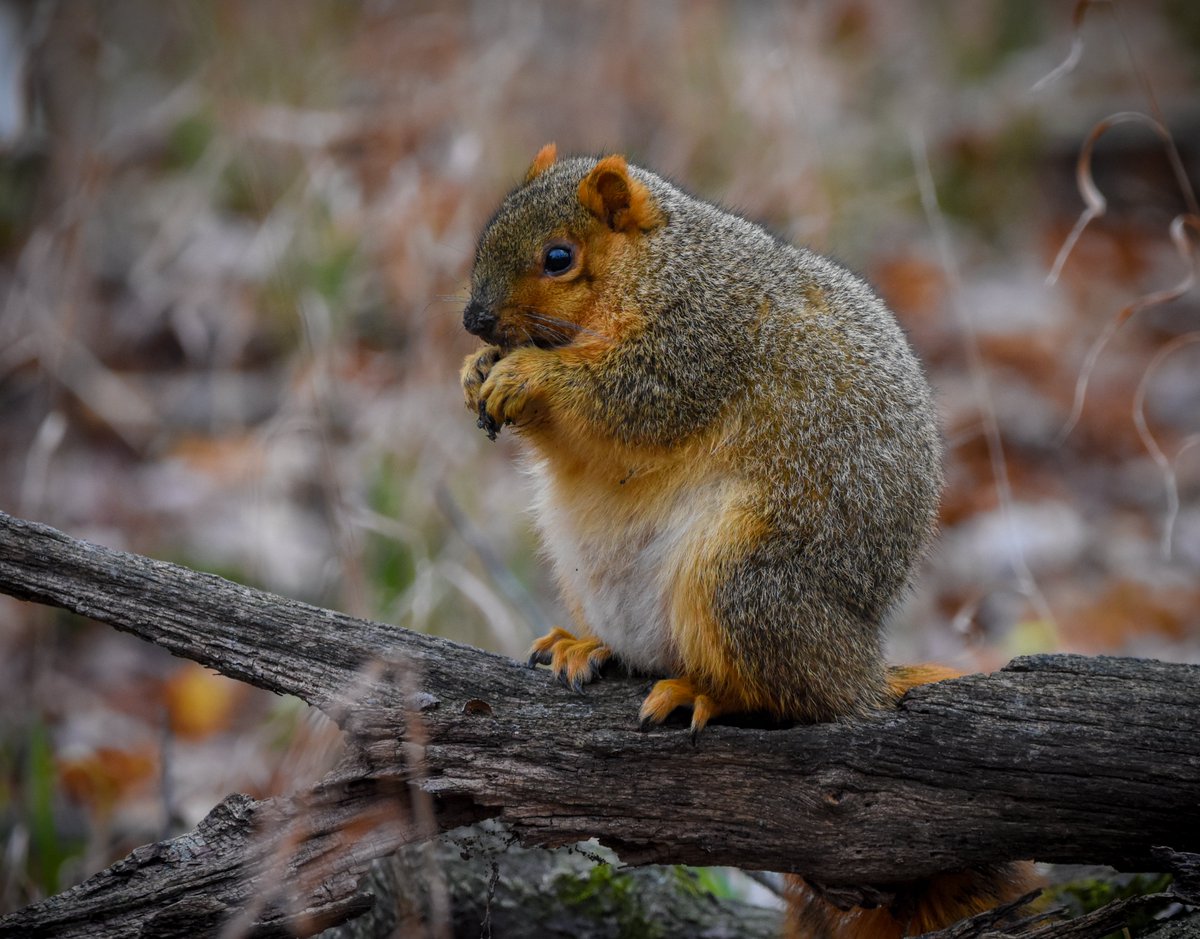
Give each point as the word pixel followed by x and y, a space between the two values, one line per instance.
pixel 479 321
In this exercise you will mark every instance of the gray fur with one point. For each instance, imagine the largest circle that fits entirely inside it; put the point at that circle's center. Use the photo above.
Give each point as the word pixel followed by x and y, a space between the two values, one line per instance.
pixel 829 413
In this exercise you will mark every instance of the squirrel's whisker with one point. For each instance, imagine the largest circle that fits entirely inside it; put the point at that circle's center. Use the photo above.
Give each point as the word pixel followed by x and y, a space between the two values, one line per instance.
pixel 566 327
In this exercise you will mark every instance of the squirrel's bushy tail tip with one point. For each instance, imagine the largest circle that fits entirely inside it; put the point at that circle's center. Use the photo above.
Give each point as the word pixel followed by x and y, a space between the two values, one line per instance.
pixel 902 677
pixel 917 908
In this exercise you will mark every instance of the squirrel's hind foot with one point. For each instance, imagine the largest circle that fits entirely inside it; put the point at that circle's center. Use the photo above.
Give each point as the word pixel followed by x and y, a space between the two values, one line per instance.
pixel 574 662
pixel 672 693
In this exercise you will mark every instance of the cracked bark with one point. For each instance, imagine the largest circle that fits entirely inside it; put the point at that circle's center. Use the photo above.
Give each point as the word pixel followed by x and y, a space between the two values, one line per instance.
pixel 1062 758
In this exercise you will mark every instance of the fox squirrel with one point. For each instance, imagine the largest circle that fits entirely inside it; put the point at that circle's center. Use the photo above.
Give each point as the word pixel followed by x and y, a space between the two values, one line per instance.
pixel 736 458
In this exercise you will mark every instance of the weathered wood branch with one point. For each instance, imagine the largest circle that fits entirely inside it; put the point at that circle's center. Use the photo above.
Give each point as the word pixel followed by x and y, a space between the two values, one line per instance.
pixel 1063 758
pixel 534 893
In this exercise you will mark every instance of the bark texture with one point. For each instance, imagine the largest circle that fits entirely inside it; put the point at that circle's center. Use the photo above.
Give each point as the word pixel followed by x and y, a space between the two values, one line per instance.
pixel 1062 758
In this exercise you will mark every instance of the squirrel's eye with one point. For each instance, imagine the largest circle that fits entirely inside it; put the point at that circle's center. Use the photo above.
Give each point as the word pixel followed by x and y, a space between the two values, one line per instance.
pixel 558 259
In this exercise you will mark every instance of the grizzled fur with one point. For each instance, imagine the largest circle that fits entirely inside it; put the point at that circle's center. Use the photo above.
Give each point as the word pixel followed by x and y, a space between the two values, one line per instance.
pixel 814 412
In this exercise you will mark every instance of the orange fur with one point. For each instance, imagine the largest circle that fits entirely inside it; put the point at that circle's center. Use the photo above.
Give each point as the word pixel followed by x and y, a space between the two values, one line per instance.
pixel 642 481
pixel 523 388
pixel 672 693
pixel 573 661
pixel 703 656
pixel 546 158
pixel 580 313
pixel 581 660
pixel 573 310
pixel 643 485
pixel 583 458
pixel 611 194
pixel 546 643
pixel 918 908
pixel 901 678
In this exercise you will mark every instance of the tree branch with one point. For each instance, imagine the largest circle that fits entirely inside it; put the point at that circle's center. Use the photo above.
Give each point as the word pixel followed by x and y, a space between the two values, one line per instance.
pixel 1063 758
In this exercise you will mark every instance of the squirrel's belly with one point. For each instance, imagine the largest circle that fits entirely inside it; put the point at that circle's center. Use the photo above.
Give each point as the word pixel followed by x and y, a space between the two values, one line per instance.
pixel 617 555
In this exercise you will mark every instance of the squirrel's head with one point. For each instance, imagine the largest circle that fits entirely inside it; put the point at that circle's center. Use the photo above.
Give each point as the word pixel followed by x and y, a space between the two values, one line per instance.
pixel 555 245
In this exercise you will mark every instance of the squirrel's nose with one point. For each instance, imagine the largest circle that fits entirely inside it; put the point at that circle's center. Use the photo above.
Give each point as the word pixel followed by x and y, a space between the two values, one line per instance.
pixel 478 320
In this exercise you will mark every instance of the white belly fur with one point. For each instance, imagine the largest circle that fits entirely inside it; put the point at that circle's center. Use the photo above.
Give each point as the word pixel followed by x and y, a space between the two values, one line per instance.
pixel 619 565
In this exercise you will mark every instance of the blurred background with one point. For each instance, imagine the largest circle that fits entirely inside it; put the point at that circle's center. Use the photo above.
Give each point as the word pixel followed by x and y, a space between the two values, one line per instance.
pixel 234 242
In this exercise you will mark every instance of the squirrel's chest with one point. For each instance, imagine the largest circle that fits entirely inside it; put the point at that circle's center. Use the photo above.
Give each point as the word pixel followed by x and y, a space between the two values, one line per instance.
pixel 617 554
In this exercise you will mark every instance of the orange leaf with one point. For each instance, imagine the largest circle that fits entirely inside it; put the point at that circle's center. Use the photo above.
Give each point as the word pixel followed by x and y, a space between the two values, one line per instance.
pixel 106 776
pixel 199 702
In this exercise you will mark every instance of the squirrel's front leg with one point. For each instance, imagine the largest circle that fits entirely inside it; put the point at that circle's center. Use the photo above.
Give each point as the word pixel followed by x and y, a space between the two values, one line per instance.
pixel 514 384
pixel 476 368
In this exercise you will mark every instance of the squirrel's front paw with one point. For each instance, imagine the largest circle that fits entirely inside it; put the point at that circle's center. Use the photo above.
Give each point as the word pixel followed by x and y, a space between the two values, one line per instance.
pixel 476 368
pixel 506 392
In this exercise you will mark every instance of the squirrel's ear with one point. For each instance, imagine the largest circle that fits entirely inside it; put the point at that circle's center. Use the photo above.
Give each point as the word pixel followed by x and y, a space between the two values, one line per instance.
pixel 617 199
pixel 543 161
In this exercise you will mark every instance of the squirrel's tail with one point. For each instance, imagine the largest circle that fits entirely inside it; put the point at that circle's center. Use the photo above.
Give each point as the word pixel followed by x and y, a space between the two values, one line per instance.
pixel 902 677
pixel 918 907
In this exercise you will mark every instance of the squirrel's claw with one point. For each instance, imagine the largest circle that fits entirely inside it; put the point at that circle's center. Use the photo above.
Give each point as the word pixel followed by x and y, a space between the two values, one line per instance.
pixel 486 422
pixel 476 368
pixel 543 648
pixel 672 693
pixel 574 662
pixel 508 390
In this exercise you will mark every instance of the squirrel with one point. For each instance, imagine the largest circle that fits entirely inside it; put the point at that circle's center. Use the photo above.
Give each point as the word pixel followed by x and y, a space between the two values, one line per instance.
pixel 736 460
